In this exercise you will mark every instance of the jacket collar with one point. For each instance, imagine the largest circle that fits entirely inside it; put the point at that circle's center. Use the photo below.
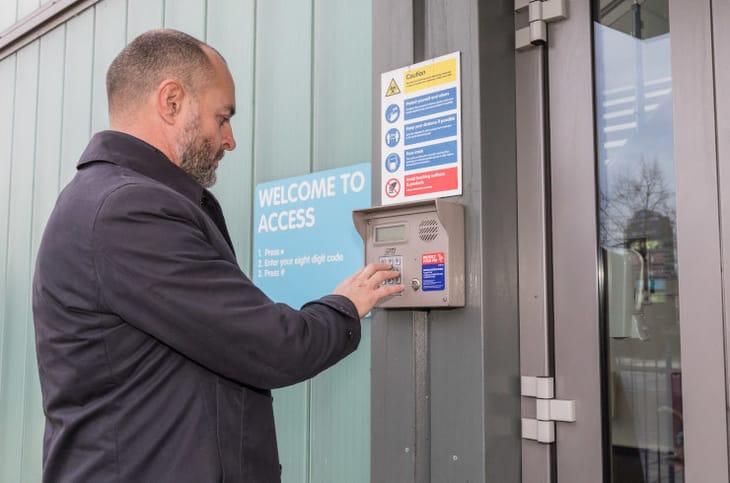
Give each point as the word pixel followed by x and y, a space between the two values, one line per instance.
pixel 130 152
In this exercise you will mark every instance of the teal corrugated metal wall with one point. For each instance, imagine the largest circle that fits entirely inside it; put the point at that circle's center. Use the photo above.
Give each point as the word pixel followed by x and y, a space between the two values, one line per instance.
pixel 303 72
pixel 14 10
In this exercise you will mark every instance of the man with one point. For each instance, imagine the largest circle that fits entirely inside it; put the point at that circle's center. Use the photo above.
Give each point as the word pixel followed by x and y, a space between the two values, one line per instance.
pixel 156 353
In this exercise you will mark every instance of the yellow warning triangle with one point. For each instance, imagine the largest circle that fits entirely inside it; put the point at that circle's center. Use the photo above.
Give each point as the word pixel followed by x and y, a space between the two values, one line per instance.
pixel 392 89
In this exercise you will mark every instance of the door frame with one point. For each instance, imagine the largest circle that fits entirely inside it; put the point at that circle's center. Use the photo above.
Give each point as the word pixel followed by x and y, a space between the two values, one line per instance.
pixel 721 43
pixel 560 303
pixel 559 306
pixel 702 330
pixel 577 325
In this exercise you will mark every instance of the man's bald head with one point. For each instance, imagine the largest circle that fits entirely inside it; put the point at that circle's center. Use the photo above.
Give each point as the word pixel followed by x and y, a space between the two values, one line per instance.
pixel 150 59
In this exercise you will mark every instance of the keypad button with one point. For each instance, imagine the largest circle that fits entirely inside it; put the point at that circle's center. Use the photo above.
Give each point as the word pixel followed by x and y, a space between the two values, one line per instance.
pixel 397 263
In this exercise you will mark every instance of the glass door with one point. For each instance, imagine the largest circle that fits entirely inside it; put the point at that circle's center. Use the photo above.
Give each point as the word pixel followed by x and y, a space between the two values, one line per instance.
pixel 635 332
pixel 637 221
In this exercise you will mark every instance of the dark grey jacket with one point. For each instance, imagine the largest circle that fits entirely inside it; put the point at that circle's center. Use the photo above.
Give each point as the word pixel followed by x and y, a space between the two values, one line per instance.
pixel 156 353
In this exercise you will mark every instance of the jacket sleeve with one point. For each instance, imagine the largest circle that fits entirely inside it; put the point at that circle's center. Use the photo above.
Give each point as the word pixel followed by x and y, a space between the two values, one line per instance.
pixel 159 271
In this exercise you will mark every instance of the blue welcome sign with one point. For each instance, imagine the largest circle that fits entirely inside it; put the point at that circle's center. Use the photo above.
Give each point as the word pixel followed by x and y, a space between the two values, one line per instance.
pixel 304 239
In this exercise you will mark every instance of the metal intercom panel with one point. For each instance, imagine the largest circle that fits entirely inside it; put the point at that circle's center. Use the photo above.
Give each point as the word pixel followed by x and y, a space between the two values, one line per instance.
pixel 424 240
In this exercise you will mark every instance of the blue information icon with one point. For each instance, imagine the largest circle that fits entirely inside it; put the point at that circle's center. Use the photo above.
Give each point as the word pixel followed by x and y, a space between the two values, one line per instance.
pixel 392 162
pixel 392 113
pixel 392 137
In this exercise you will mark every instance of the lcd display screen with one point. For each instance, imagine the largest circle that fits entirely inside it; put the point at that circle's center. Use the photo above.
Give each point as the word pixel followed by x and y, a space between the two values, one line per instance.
pixel 390 233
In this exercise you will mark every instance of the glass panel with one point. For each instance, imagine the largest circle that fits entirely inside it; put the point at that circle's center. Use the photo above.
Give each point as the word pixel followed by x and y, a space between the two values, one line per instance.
pixel 637 235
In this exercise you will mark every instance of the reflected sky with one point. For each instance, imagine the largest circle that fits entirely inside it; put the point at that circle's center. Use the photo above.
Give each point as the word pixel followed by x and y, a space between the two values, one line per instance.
pixel 627 67
pixel 633 108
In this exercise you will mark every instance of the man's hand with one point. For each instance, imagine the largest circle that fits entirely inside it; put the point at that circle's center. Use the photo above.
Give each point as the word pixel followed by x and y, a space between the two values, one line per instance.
pixel 364 288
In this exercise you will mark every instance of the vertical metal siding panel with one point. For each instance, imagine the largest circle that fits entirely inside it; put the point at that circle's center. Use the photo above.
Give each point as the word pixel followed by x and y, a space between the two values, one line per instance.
pixel 144 15
pixel 187 16
pixel 340 419
pixel 231 31
pixel 291 410
pixel 27 6
pixel 283 89
pixel 493 158
pixel 457 336
pixel 77 92
pixel 8 14
pixel 17 310
pixel 342 76
pixel 475 351
pixel 282 142
pixel 392 401
pixel 109 38
pixel 48 120
pixel 45 191
pixel 7 85
pixel 340 397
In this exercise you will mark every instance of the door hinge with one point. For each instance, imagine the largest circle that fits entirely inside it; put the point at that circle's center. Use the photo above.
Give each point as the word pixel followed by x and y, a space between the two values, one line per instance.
pixel 540 12
pixel 548 409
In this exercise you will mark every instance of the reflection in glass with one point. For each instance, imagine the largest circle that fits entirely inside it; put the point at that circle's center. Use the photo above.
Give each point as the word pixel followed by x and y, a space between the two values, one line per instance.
pixel 637 235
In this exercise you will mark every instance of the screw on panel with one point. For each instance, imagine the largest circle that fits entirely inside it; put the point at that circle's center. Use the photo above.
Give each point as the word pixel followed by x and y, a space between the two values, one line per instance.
pixel 454 457
pixel 408 450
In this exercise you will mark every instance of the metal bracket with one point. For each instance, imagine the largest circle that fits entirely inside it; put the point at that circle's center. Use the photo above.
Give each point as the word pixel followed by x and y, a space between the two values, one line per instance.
pixel 548 409
pixel 540 12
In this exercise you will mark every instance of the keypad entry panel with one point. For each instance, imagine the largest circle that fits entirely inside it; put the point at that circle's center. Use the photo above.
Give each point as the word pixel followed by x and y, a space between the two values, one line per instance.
pixel 424 241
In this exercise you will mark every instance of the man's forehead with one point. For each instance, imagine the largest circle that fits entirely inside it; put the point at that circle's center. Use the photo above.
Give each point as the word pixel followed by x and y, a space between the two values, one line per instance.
pixel 222 88
pixel 218 62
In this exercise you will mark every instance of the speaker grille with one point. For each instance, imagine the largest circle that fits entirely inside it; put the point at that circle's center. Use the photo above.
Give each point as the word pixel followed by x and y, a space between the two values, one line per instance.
pixel 428 229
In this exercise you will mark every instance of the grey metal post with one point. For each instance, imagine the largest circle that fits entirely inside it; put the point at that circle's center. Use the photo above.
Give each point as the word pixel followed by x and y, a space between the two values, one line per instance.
pixel 466 361
pixel 422 390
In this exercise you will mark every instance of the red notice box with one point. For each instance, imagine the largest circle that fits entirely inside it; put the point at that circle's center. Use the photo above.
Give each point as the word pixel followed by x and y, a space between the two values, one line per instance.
pixel 432 258
pixel 432 181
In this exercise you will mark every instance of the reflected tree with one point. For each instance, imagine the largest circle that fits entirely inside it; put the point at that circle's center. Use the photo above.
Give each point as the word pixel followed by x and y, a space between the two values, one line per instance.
pixel 645 190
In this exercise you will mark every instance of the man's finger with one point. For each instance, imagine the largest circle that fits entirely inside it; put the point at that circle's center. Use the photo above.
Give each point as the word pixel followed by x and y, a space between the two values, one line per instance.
pixel 373 268
pixel 384 275
pixel 386 290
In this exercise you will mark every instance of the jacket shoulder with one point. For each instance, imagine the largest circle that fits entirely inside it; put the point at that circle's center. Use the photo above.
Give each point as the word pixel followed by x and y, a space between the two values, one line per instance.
pixel 105 185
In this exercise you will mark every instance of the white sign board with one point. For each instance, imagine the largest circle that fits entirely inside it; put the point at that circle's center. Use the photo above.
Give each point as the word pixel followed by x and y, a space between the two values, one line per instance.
pixel 421 131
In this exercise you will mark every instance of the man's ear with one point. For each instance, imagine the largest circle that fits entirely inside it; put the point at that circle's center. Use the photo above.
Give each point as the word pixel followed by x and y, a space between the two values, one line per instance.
pixel 170 96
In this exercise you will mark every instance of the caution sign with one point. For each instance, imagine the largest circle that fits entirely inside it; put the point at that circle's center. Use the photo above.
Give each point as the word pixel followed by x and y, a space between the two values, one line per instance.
pixel 393 89
pixel 421 133
pixel 431 75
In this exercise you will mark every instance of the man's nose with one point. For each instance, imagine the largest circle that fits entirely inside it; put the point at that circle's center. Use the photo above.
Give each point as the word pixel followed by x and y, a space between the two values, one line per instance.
pixel 229 142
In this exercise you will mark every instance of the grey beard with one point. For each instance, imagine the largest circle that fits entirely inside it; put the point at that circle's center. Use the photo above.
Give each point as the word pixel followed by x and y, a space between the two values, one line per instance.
pixel 199 162
pixel 197 156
